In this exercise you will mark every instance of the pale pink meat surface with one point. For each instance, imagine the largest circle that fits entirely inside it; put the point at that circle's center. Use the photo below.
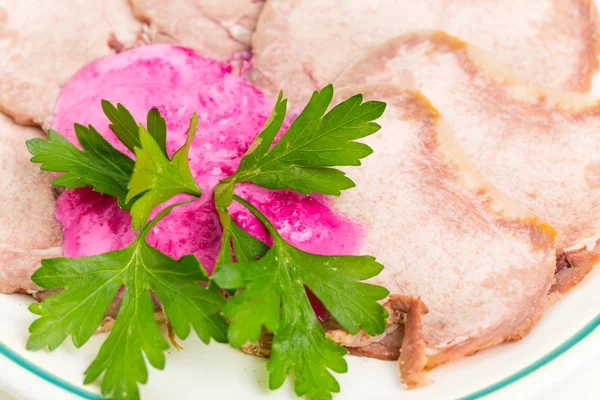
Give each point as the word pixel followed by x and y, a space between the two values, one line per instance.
pixel 301 45
pixel 480 262
pixel 28 230
pixel 215 28
pixel 231 113
pixel 540 146
pixel 43 43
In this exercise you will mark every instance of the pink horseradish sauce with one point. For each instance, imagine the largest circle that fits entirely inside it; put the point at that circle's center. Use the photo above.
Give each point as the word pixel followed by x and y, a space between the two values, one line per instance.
pixel 231 113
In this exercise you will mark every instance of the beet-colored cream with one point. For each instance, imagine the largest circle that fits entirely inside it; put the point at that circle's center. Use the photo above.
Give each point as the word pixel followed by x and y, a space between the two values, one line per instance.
pixel 231 113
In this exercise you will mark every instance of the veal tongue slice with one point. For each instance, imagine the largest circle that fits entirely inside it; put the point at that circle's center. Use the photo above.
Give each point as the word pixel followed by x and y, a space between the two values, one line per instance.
pixel 214 28
pixel 539 146
pixel 480 263
pixel 28 230
pixel 44 43
pixel 302 45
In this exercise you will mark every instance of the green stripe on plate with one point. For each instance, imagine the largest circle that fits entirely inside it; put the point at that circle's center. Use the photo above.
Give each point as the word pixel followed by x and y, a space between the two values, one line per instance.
pixel 562 348
pixel 566 345
pixel 47 376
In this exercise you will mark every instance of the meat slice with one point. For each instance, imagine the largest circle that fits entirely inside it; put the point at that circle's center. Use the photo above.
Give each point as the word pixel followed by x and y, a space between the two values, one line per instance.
pixel 214 28
pixel 403 339
pixel 44 43
pixel 540 146
pixel 28 230
pixel 480 263
pixel 302 45
pixel 413 358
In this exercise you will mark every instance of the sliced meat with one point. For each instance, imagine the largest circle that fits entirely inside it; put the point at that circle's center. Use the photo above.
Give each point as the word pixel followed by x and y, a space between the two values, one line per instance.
pixel 262 348
pixel 481 263
pixel 540 146
pixel 43 45
pixel 403 340
pixel 28 230
pixel 387 347
pixel 579 261
pixel 214 28
pixel 413 357
pixel 302 45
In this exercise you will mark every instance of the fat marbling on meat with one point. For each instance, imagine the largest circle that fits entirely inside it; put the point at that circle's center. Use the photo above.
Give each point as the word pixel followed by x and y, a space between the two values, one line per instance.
pixel 302 45
pixel 479 262
pixel 28 230
pixel 43 43
pixel 540 146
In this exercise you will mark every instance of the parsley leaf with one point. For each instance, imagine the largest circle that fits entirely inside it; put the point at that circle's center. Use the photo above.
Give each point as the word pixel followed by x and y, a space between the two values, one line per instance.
pixel 100 165
pixel 156 178
pixel 126 129
pixel 246 246
pixel 122 124
pixel 91 283
pixel 274 287
pixel 316 141
pixel 274 296
pixel 157 127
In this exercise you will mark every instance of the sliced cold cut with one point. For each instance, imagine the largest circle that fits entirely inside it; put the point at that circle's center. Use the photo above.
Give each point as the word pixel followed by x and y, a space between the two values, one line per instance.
pixel 413 359
pixel 540 146
pixel 302 45
pixel 44 43
pixel 480 263
pixel 28 230
pixel 214 28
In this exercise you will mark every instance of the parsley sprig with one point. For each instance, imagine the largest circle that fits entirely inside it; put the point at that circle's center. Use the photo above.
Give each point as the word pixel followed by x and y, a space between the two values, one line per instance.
pixel 268 284
pixel 272 289
pixel 316 141
pixel 100 165
pixel 156 178
pixel 90 284
pixel 274 296
pixel 138 186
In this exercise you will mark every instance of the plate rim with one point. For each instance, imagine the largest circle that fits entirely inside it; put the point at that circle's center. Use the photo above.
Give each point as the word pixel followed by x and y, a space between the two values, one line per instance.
pixel 562 348
pixel 46 375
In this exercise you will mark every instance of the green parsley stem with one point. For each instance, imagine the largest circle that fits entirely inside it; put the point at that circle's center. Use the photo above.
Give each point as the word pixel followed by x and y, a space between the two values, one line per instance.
pixel 146 229
pixel 256 212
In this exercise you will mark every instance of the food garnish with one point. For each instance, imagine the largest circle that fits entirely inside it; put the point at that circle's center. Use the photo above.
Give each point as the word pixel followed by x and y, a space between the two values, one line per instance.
pixel 274 294
pixel 155 178
pixel 100 165
pixel 89 286
pixel 316 141
pixel 268 285
pixel 91 283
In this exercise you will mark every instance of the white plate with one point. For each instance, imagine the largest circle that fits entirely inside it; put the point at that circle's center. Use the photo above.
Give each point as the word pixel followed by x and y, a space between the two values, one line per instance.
pixel 523 369
pixel 218 370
